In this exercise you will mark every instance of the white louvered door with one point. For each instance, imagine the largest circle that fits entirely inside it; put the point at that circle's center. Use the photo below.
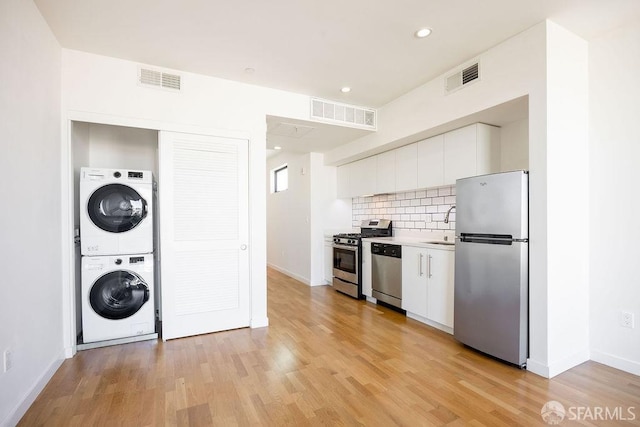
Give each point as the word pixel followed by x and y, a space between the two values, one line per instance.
pixel 204 233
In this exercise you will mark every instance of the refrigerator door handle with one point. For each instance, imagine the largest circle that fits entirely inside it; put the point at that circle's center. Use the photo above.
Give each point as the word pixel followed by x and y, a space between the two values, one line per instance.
pixel 495 239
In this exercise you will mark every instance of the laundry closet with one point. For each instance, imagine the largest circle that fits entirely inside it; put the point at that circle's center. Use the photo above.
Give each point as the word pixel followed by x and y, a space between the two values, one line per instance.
pixel 154 207
pixel 117 291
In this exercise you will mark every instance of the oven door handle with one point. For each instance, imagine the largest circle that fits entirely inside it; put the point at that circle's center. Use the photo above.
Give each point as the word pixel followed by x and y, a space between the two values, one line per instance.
pixel 347 248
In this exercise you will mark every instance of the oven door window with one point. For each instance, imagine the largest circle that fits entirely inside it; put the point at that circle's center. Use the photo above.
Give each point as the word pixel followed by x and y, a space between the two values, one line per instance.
pixel 345 260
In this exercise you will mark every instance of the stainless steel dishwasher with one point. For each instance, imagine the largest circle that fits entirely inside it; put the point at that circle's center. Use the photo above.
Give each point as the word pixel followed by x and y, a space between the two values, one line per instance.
pixel 386 274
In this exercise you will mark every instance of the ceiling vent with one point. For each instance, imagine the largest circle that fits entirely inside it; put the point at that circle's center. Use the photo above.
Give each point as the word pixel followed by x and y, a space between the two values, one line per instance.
pixel 462 78
pixel 323 110
pixel 159 79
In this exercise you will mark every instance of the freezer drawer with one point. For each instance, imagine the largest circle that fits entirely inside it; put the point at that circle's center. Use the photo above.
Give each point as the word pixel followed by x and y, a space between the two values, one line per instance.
pixel 491 299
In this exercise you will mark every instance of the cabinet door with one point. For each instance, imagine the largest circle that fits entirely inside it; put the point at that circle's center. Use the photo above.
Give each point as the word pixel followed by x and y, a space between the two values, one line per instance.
pixel 362 177
pixel 342 178
pixel 459 154
pixel 366 269
pixel 414 280
pixel 440 268
pixel 407 167
pixel 386 172
pixel 431 162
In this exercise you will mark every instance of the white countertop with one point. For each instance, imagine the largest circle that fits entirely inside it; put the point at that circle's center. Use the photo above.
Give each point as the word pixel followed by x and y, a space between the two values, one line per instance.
pixel 422 242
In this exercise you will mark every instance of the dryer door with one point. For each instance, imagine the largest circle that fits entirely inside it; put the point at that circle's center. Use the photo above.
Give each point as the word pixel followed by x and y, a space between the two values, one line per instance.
pixel 118 295
pixel 116 208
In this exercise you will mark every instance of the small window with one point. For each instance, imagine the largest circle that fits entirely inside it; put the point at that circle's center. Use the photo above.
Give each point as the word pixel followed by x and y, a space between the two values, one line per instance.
pixel 280 179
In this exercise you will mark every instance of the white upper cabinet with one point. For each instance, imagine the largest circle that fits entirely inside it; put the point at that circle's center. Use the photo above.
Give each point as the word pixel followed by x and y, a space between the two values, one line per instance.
pixel 431 162
pixel 407 167
pixel 363 177
pixel 434 162
pixel 386 180
pixel 470 151
pixel 357 178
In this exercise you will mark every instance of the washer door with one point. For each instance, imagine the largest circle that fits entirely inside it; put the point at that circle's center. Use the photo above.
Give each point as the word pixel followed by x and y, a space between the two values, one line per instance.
pixel 116 208
pixel 118 295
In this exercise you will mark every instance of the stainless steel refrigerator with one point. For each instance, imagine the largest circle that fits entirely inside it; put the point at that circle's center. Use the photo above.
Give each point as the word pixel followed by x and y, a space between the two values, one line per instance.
pixel 492 265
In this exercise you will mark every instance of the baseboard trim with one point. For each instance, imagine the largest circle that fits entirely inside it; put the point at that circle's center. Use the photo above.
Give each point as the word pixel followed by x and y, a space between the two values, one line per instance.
pixel 18 412
pixel 538 368
pixel 260 322
pixel 552 369
pixel 616 362
pixel 290 274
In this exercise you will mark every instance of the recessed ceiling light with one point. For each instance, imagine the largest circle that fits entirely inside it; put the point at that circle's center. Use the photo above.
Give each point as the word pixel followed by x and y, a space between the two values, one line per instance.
pixel 422 33
pixel 345 89
pixel 277 147
pixel 249 70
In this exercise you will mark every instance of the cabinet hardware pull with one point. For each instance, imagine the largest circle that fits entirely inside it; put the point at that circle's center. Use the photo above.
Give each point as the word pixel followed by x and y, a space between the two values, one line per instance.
pixel 429 265
pixel 420 264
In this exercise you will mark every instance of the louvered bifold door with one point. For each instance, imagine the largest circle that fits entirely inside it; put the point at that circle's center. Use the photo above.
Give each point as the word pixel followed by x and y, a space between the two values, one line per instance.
pixel 204 257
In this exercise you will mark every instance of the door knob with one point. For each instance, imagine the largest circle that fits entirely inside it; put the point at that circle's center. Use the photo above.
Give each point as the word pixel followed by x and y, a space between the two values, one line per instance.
pixel 243 247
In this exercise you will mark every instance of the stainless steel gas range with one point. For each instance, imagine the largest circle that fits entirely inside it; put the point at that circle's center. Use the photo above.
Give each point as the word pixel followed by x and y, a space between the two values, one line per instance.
pixel 347 255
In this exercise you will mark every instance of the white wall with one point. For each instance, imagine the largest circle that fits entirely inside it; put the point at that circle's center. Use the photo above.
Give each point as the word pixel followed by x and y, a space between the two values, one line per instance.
pixel 538 63
pixel 514 145
pixel 288 218
pixel 615 196
pixel 30 218
pixel 104 90
pixel 297 222
pixel 567 163
pixel 329 215
pixel 121 147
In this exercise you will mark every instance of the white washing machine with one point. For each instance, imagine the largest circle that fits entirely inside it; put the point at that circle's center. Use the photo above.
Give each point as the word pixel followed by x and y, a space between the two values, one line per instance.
pixel 116 211
pixel 117 297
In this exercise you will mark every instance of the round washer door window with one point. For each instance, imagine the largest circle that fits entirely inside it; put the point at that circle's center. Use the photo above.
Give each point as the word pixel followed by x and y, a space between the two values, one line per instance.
pixel 118 295
pixel 116 208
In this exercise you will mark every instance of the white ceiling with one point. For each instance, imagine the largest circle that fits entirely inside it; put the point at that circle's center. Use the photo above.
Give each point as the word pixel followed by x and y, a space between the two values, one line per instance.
pixel 316 47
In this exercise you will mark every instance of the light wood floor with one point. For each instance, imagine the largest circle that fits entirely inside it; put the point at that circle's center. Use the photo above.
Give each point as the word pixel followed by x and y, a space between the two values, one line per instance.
pixel 325 359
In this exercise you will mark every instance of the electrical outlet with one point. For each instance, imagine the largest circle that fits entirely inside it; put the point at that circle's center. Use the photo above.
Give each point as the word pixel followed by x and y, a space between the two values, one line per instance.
pixel 627 320
pixel 8 360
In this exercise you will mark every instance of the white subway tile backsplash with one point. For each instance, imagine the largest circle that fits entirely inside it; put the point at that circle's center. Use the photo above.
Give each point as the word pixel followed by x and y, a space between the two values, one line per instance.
pixel 444 191
pixel 421 210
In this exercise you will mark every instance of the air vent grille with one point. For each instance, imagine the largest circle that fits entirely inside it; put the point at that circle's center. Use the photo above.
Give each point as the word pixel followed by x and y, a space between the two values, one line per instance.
pixel 469 74
pixel 459 79
pixel 159 79
pixel 348 115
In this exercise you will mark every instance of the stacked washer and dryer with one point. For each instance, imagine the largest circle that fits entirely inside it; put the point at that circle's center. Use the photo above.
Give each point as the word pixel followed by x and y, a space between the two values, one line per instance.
pixel 117 245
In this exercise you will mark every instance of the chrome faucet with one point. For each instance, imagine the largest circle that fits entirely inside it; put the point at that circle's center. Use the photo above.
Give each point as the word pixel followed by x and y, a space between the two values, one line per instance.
pixel 446 217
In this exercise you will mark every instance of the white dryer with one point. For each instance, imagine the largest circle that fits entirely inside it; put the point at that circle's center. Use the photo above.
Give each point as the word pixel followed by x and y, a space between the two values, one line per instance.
pixel 116 211
pixel 117 297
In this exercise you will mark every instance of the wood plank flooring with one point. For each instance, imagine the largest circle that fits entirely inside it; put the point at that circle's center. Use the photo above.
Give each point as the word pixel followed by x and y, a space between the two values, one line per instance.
pixel 325 359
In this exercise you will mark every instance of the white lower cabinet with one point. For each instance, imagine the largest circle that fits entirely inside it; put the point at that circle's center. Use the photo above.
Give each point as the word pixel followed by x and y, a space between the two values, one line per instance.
pixel 366 269
pixel 427 285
